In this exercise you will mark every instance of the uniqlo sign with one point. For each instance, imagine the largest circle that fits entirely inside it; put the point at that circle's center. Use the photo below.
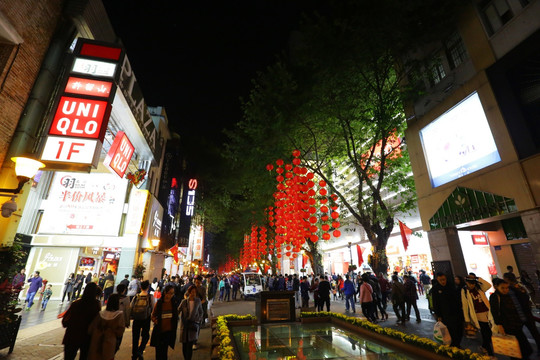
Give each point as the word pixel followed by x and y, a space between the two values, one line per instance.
pixel 79 117
pixel 119 154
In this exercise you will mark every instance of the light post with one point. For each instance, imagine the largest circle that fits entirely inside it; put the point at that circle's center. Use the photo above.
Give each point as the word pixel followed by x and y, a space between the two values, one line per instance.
pixel 350 252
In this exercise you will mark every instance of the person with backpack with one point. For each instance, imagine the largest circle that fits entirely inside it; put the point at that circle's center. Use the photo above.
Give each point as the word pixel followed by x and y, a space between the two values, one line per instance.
pixel 141 311
pixel 106 331
pixel 425 280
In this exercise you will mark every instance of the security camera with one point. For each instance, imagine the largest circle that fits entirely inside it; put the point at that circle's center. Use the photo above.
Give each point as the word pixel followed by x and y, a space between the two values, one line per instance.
pixel 8 208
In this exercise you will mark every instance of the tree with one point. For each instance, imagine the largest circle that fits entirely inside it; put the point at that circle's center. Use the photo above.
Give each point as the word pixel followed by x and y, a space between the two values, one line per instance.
pixel 339 99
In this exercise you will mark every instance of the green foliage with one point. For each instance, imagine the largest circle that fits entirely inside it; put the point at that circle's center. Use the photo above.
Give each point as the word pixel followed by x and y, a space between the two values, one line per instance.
pixel 139 271
pixel 12 260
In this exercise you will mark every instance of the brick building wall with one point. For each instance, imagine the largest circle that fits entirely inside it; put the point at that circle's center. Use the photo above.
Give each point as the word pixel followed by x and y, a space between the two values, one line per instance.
pixel 35 22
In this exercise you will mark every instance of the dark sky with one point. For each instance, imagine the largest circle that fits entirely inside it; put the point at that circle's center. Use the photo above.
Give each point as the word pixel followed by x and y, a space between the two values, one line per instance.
pixel 198 57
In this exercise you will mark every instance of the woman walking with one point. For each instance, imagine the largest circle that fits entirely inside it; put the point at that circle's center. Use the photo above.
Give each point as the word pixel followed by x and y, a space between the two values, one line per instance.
pixel 165 319
pixel 191 312
pixel 68 289
pixel 106 331
pixel 76 320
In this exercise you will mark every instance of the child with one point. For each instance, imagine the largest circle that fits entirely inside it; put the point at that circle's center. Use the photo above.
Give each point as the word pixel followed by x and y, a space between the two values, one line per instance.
pixel 46 296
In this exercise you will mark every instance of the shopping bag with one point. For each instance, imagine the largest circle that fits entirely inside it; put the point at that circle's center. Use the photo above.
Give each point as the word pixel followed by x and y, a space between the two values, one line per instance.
pixel 157 294
pixel 506 345
pixel 441 334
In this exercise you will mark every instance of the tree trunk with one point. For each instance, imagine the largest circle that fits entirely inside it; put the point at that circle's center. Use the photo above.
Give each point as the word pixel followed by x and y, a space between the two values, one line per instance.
pixel 315 257
pixel 378 260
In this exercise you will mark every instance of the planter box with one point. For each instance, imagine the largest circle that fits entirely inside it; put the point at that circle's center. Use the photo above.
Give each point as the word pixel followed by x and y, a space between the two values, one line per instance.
pixel 310 320
pixel 8 334
pixel 242 322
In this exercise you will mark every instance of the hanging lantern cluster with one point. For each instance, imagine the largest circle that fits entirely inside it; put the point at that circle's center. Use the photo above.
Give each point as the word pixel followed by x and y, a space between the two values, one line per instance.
pixel 302 209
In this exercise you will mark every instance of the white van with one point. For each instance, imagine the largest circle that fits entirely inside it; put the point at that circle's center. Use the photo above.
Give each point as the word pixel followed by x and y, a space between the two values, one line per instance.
pixel 252 284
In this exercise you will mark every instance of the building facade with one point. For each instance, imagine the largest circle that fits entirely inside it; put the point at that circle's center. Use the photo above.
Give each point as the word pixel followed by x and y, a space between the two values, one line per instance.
pixel 473 141
pixel 94 207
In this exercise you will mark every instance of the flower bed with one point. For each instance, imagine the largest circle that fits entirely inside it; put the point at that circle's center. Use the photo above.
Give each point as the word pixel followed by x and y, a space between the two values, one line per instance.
pixel 226 350
pixel 401 337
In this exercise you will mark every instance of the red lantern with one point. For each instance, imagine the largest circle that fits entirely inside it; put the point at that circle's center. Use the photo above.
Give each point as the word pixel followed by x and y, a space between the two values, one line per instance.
pixel 288 167
pixel 326 236
pixel 279 162
pixel 310 175
pixel 269 167
pixel 335 224
pixel 296 153
pixel 336 233
pixel 313 219
pixel 334 197
pixel 325 227
pixel 297 162
pixel 324 209
pixel 322 183
pixel 324 217
pixel 313 238
pixel 323 200
pixel 313 229
pixel 279 170
pixel 323 192
pixel 334 215
pixel 279 178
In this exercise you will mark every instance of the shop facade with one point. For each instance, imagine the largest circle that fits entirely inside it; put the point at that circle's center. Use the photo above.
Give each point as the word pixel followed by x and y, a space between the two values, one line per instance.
pixel 94 207
pixel 474 150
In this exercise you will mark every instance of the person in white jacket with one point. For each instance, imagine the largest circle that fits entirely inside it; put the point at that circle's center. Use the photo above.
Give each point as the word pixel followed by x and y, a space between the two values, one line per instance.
pixel 476 309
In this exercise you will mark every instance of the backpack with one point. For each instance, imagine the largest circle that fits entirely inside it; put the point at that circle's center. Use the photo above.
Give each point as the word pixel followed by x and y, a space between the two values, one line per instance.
pixel 141 308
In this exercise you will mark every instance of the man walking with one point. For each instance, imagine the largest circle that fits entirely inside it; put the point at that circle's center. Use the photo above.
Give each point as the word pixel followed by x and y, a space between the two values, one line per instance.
pixel 447 308
pixel 141 310
pixel 410 297
pixel 35 284
pixel 349 291
pixel 324 293
pixel 79 280
pixel 296 289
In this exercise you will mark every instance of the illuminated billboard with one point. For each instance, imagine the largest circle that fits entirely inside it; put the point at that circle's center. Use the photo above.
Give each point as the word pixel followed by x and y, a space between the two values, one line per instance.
pixel 459 142
pixel 84 204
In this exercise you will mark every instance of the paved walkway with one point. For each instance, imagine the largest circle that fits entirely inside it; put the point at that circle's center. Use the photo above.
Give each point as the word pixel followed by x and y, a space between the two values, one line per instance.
pixel 44 341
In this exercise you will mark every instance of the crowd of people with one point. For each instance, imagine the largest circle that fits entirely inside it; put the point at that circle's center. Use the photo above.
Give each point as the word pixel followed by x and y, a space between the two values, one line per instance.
pixel 176 306
pixel 183 302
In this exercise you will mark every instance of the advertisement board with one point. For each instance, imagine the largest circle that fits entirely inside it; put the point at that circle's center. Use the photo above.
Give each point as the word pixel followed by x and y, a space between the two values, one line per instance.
pixel 84 204
pixel 197 242
pixel 136 209
pixel 459 142
pixel 152 223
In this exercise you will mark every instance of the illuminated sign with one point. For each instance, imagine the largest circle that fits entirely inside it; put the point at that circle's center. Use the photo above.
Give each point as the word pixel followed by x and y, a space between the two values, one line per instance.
pixel 84 204
pixel 94 67
pixel 459 142
pixel 70 150
pixel 152 227
pixel 197 242
pixel 137 208
pixel 100 51
pixel 81 86
pixel 83 118
pixel 479 239
pixel 119 154
pixel 190 200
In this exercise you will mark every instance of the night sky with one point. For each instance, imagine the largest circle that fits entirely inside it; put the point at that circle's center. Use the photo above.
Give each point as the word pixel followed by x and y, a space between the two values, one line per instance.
pixel 197 58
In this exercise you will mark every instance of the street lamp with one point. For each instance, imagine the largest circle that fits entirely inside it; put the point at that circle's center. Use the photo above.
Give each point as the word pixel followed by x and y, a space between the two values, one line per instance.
pixel 350 252
pixel 25 169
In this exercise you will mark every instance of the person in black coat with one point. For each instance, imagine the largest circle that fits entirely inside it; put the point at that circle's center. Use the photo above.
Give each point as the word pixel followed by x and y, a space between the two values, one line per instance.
pixel 324 293
pixel 165 319
pixel 76 320
pixel 447 308
pixel 508 317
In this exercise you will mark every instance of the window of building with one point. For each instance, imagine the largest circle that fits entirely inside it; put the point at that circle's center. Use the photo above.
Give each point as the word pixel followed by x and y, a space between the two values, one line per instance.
pixel 496 13
pixel 436 71
pixel 455 51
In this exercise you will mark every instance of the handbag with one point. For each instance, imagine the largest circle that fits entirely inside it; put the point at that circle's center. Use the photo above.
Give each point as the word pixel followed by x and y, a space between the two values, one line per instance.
pixel 506 345
pixel 441 334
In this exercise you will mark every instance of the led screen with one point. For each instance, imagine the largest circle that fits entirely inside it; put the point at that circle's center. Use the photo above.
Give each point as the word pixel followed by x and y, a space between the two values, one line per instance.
pixel 459 142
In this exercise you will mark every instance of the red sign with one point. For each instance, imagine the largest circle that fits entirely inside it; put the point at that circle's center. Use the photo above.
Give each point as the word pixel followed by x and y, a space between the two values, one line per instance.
pixel 76 85
pixel 83 118
pixel 119 154
pixel 479 240
pixel 100 51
